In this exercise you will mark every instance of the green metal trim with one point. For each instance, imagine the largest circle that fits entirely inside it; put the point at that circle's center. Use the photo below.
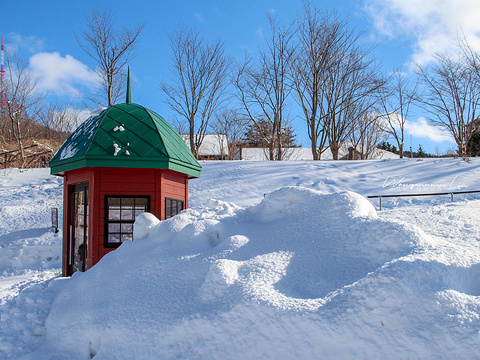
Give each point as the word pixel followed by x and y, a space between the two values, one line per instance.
pixel 128 96
pixel 78 163
pixel 103 141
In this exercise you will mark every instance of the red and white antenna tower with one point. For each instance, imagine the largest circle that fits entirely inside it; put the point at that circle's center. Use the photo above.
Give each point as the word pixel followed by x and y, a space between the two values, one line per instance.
pixel 3 97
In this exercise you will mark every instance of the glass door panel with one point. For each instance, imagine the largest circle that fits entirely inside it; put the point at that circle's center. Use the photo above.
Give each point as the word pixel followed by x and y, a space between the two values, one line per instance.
pixel 79 227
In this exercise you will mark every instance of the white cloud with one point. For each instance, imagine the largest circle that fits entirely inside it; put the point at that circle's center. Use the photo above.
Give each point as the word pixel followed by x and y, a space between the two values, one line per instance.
pixel 247 50
pixel 218 12
pixel 30 44
pixel 433 24
pixel 78 116
pixel 64 76
pixel 392 119
pixel 259 33
pixel 69 118
pixel 199 17
pixel 422 129
pixel 272 11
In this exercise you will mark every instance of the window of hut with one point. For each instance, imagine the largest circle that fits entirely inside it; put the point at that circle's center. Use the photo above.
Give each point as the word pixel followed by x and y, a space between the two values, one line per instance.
pixel 120 214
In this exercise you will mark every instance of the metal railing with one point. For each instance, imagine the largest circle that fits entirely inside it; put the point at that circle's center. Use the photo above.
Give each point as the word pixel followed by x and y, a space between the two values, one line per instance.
pixel 451 193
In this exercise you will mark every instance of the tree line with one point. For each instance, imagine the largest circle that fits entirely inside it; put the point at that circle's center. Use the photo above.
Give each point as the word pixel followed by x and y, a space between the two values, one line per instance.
pixel 31 128
pixel 319 62
pixel 322 64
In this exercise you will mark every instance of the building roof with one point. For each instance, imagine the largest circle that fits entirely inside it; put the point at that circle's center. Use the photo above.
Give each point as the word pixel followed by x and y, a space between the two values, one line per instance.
pixel 301 153
pixel 125 136
pixel 212 145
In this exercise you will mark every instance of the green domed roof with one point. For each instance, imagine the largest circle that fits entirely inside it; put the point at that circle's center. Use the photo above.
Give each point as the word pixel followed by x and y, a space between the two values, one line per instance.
pixel 125 136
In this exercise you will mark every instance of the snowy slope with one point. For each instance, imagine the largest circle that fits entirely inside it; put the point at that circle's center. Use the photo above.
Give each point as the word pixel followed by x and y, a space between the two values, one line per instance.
pixel 29 256
pixel 245 183
pixel 287 262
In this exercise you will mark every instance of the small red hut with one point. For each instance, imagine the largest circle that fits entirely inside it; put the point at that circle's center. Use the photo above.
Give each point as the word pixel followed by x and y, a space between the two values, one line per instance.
pixel 124 161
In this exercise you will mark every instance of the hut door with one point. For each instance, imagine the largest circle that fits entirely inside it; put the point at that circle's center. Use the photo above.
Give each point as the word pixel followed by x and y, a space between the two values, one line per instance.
pixel 79 228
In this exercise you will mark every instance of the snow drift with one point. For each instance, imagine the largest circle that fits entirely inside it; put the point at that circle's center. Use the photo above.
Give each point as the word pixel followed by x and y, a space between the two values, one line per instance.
pixel 205 284
pixel 302 274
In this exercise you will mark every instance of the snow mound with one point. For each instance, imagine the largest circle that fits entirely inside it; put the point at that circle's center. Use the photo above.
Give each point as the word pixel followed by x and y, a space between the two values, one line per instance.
pixel 295 252
pixel 294 200
pixel 268 281
pixel 30 249
pixel 143 225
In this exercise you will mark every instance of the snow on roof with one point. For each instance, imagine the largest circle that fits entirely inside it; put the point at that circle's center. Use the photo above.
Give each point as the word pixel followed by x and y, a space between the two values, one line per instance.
pixel 125 136
pixel 302 153
pixel 212 145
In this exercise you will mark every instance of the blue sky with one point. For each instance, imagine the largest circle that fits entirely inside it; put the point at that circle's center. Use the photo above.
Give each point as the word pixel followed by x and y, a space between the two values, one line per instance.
pixel 403 31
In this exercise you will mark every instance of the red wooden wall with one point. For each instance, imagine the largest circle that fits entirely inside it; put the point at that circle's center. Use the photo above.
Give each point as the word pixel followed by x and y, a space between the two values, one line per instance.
pixel 156 183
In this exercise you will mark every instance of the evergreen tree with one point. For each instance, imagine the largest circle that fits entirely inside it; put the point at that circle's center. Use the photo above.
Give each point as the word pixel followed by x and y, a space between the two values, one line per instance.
pixel 473 145
pixel 420 152
pixel 257 135
pixel 385 145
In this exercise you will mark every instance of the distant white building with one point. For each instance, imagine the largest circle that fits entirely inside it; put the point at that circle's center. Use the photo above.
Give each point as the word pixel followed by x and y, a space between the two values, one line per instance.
pixel 301 153
pixel 212 147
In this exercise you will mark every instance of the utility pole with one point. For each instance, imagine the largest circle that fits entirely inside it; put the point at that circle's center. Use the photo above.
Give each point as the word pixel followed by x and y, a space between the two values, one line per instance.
pixel 411 147
pixel 3 95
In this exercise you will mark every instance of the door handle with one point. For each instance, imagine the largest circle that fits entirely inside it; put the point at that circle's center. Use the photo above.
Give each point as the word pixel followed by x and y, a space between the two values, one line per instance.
pixel 72 251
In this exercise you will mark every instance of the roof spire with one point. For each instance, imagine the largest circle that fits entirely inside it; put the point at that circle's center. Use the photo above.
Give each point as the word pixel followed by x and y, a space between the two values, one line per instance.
pixel 128 99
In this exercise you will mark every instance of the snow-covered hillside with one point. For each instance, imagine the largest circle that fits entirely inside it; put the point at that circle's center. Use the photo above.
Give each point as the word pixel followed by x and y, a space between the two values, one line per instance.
pixel 272 260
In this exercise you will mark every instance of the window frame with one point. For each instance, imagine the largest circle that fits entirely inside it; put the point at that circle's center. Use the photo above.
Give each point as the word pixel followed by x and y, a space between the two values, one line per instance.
pixel 167 199
pixel 107 221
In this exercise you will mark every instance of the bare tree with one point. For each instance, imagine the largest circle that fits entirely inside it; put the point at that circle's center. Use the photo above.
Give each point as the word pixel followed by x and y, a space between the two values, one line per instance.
pixel 470 56
pixel 231 124
pixel 472 59
pixel 111 49
pixel 366 134
pixel 346 92
pixel 395 99
pixel 333 77
pixel 62 118
pixel 317 36
pixel 451 97
pixel 22 103
pixel 198 84
pixel 262 87
pixel 180 126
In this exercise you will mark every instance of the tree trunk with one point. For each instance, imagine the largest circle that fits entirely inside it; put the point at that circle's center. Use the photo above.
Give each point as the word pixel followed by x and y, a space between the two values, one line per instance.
pixel 314 149
pixel 109 88
pixel 20 141
pixel 313 138
pixel 334 147
pixel 271 152
pixel 279 146
pixel 191 135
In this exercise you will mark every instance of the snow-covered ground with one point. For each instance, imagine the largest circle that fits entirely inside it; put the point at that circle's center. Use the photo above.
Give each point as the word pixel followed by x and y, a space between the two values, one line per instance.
pixel 272 260
pixel 30 256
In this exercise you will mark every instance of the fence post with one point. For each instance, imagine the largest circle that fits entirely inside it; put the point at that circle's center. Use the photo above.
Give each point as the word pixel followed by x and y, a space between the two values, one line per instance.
pixel 436 194
pixel 54 212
